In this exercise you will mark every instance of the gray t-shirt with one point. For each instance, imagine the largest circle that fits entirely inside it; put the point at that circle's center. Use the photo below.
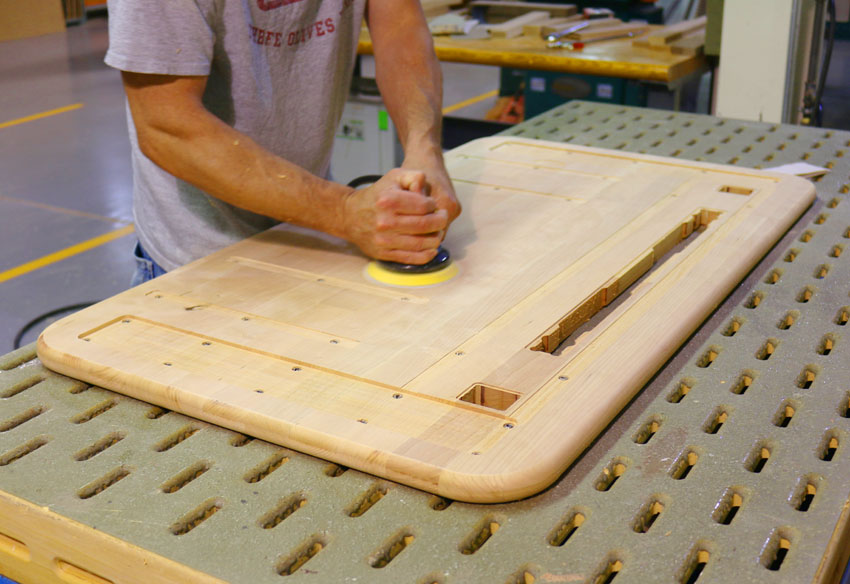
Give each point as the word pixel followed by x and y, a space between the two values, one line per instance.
pixel 278 71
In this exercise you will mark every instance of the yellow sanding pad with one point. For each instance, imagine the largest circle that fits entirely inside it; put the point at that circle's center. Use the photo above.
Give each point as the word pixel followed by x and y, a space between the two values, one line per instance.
pixel 377 272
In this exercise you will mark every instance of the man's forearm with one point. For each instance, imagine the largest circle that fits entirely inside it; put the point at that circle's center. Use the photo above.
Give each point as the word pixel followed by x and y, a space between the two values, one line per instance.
pixel 188 143
pixel 408 74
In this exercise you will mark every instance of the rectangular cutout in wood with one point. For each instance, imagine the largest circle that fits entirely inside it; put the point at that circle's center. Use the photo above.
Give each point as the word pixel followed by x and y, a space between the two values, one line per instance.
pixel 490 397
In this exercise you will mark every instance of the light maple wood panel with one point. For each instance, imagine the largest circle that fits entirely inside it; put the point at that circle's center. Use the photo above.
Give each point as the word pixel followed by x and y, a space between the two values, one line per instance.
pixel 581 271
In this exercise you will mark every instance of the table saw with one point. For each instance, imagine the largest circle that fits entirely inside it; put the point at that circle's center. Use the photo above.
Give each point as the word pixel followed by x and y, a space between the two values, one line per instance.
pixel 726 467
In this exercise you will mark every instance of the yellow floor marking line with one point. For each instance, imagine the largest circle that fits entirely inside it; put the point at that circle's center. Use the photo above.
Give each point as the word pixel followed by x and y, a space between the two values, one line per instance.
pixel 48 113
pixel 63 210
pixel 460 105
pixel 65 253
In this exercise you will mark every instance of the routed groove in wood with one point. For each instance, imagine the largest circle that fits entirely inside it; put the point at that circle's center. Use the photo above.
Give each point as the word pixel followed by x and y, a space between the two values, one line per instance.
pixel 73 573
pixel 602 297
pixel 15 548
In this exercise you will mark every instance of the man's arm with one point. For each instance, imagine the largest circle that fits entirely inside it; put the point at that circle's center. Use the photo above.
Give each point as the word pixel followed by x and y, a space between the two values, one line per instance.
pixel 410 80
pixel 390 220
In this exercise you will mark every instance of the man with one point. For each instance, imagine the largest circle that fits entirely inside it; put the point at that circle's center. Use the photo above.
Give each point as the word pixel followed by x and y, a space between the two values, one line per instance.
pixel 233 106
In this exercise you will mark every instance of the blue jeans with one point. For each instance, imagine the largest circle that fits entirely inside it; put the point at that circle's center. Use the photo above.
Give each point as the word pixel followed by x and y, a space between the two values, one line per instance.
pixel 146 268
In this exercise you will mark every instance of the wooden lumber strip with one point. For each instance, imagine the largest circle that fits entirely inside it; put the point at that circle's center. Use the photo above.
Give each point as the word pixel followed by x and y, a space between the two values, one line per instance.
pixel 514 26
pixel 601 32
pixel 536 28
pixel 668 34
pixel 692 44
pixel 547 29
pixel 686 37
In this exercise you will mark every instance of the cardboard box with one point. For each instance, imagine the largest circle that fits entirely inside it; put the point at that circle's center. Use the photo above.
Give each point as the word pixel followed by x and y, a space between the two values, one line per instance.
pixel 29 18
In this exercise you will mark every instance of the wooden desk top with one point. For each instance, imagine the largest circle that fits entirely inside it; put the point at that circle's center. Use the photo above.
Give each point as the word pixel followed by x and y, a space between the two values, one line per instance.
pixel 614 58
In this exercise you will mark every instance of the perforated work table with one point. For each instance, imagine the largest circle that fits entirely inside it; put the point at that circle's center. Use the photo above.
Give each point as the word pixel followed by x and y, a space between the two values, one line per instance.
pixel 730 466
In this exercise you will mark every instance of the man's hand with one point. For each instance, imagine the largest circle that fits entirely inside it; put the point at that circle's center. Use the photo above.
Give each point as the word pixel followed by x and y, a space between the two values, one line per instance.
pixel 394 219
pixel 438 185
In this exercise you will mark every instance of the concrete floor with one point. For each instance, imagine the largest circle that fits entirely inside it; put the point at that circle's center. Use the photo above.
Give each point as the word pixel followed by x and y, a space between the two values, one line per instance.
pixel 65 179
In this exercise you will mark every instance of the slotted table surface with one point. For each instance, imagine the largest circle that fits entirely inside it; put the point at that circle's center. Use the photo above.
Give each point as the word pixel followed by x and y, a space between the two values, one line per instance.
pixel 734 470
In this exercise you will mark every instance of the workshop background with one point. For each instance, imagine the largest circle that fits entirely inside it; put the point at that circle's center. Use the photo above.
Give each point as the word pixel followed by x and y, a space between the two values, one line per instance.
pixel 771 507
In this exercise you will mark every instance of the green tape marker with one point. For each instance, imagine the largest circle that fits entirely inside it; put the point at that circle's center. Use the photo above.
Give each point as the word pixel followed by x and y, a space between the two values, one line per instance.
pixel 383 120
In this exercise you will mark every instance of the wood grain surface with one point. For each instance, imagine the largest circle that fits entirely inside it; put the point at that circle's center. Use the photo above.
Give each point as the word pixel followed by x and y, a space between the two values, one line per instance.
pixel 581 271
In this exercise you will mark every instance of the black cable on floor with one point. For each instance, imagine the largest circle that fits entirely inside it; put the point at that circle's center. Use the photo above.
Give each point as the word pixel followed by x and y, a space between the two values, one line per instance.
pixel 42 317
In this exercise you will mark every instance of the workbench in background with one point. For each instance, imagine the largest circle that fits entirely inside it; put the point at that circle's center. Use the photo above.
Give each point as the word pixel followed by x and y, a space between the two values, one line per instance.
pixel 730 466
pixel 615 59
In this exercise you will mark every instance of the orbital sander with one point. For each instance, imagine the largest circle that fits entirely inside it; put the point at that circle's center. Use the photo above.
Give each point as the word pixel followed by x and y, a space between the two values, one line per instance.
pixel 439 269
